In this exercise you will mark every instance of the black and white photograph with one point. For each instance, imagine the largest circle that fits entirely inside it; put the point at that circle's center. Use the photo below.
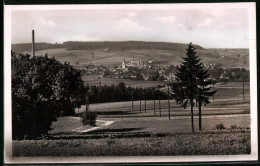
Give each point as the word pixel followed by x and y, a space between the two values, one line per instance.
pixel 130 83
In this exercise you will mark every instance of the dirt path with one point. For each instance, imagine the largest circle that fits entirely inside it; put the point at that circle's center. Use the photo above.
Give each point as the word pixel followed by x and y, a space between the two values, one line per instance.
pixel 100 123
pixel 73 124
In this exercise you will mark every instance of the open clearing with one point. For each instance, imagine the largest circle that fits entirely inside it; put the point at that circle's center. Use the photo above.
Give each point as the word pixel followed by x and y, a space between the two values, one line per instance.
pixel 150 125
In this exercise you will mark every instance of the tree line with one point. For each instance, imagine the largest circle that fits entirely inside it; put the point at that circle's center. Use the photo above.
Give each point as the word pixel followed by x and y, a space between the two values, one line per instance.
pixel 123 45
pixel 229 74
pixel 107 45
pixel 119 92
pixel 38 46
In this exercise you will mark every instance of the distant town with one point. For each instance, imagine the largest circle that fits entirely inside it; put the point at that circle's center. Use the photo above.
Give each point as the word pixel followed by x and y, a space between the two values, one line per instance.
pixel 151 70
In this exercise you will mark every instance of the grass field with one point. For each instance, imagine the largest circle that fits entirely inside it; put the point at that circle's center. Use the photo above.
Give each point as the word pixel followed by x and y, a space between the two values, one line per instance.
pixel 179 144
pixel 151 125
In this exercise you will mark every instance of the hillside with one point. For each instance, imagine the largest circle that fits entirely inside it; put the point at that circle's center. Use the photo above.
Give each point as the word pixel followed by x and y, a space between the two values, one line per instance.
pixel 112 53
pixel 106 45
pixel 38 46
pixel 125 45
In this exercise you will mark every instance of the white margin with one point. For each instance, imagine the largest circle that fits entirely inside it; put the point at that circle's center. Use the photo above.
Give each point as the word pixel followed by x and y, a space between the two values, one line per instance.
pixel 7 87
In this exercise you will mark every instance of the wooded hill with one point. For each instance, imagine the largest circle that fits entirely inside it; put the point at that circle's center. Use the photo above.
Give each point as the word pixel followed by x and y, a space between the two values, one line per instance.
pixel 125 45
pixel 106 45
pixel 38 46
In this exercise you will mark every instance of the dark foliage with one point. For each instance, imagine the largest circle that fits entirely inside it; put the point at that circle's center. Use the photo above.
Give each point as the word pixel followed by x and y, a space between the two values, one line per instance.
pixel 119 92
pixel 38 46
pixel 229 74
pixel 220 127
pixel 123 45
pixel 42 89
pixel 106 45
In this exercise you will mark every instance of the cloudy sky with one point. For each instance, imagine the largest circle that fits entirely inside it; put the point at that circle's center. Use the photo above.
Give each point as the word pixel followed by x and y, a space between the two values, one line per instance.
pixel 209 27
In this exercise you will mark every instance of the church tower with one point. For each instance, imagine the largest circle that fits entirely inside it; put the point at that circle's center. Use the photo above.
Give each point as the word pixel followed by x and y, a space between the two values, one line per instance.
pixel 123 64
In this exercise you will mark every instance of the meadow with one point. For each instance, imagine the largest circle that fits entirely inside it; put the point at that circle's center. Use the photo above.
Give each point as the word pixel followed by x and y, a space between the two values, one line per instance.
pixel 231 143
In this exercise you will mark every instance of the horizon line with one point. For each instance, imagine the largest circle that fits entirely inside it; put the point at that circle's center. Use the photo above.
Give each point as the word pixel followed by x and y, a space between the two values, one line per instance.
pixel 135 41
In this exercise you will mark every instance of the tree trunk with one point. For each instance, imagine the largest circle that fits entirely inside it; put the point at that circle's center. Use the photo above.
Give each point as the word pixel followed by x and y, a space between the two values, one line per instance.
pixel 200 128
pixel 191 108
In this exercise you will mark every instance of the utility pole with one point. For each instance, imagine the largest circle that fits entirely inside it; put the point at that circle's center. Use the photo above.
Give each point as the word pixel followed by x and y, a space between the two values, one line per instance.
pixel 213 94
pixel 140 100
pixel 160 104
pixel 169 103
pixel 144 100
pixel 153 103
pixel 243 91
pixel 132 101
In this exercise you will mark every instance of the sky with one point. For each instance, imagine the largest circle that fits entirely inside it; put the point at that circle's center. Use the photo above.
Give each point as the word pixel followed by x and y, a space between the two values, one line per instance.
pixel 208 27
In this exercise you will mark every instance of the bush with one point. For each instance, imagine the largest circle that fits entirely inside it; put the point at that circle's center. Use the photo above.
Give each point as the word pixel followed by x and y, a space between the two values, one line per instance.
pixel 234 127
pixel 220 127
pixel 89 118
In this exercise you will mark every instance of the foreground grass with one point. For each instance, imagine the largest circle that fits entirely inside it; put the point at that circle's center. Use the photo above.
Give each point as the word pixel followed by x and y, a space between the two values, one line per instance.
pixel 179 144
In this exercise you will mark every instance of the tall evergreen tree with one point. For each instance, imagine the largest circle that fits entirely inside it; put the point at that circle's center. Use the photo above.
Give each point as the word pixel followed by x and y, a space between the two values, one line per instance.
pixel 191 83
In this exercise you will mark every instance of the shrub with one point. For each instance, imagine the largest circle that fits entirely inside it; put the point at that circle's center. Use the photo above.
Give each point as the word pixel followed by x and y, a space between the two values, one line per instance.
pixel 110 141
pixel 235 127
pixel 220 127
pixel 89 118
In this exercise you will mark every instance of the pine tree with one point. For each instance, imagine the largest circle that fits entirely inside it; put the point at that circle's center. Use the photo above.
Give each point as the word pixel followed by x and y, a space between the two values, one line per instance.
pixel 191 83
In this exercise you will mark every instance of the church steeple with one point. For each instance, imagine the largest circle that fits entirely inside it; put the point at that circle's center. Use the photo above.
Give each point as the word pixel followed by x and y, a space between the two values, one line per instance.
pixel 124 64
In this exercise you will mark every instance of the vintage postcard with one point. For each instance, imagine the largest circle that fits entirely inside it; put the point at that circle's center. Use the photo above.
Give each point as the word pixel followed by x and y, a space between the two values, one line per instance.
pixel 130 83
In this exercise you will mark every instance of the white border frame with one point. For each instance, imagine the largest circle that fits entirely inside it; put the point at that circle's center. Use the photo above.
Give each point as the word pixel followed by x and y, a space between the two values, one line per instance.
pixel 209 158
